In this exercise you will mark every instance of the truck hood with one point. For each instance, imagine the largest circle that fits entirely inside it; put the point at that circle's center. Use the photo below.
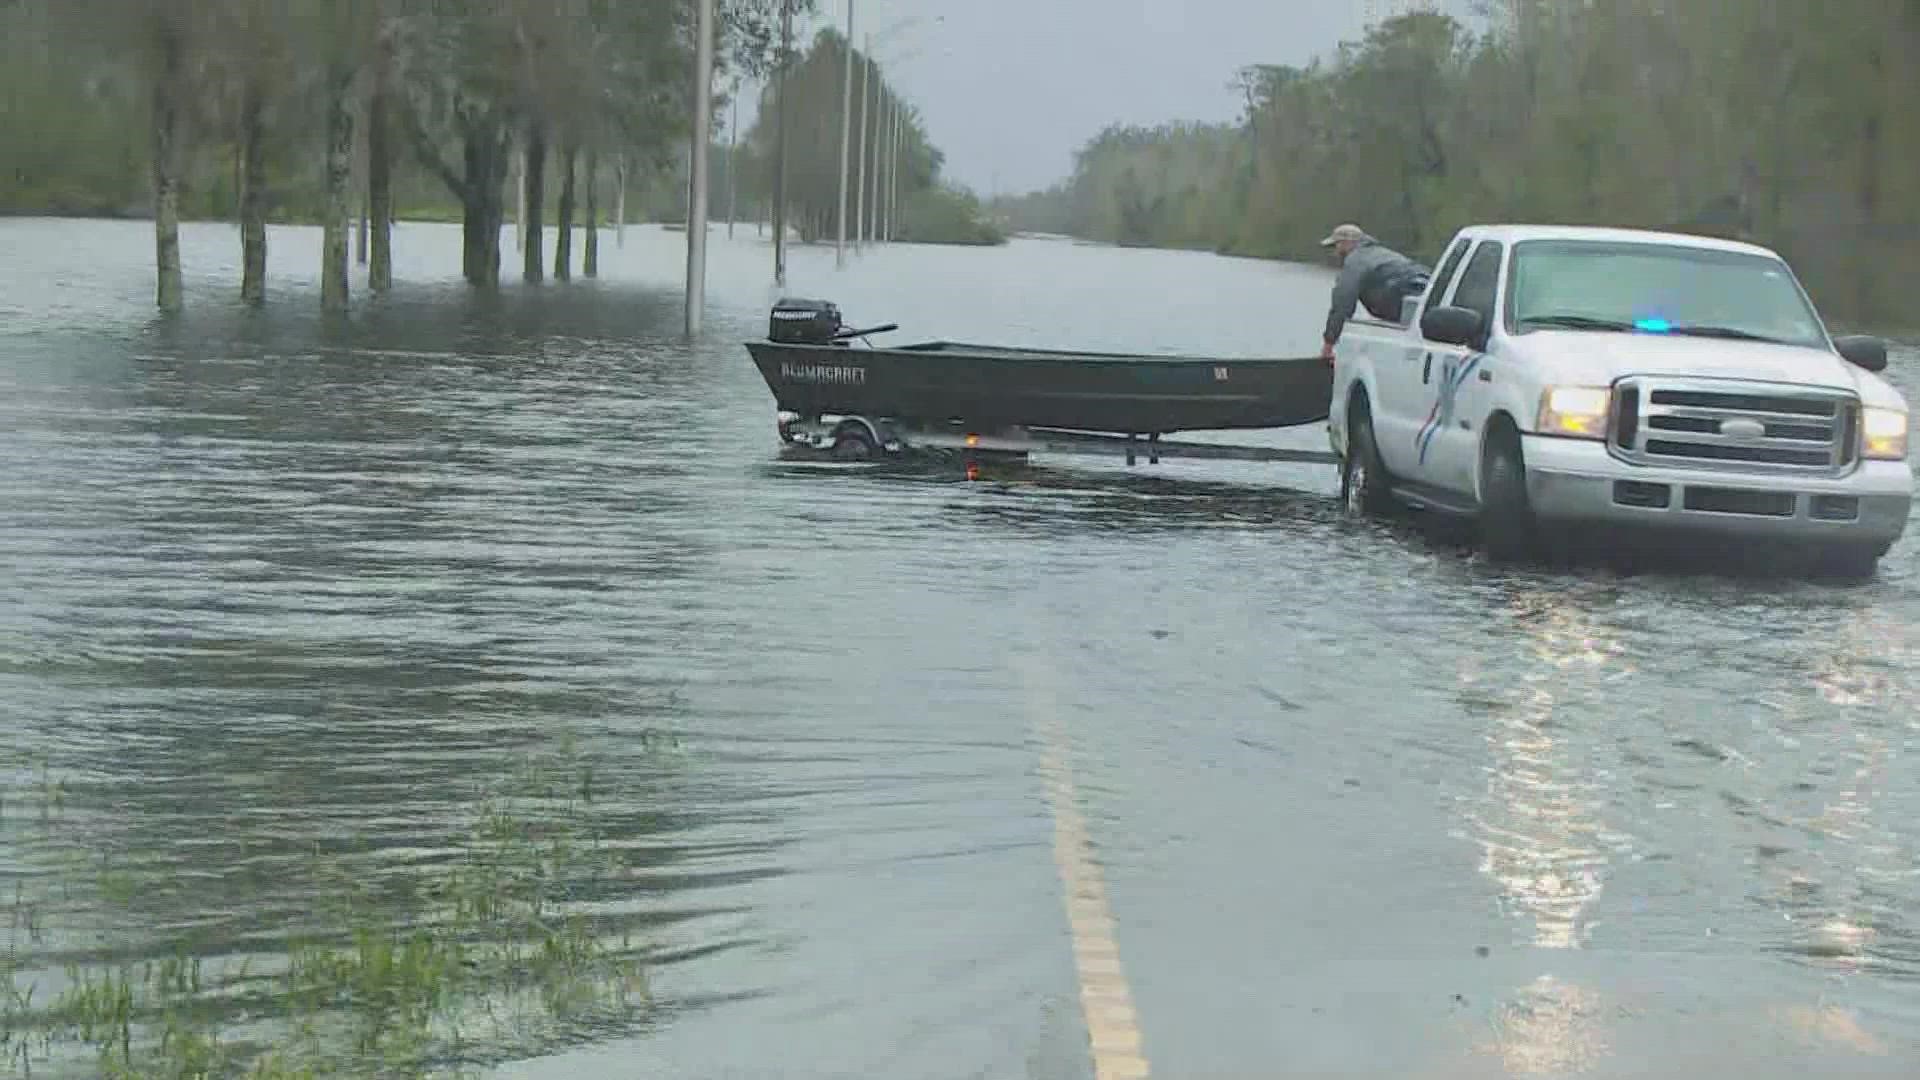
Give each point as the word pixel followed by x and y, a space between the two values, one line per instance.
pixel 1598 358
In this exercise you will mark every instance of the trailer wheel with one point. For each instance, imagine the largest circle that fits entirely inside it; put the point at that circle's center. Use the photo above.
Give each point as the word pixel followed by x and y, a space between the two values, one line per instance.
pixel 1507 525
pixel 1363 476
pixel 852 443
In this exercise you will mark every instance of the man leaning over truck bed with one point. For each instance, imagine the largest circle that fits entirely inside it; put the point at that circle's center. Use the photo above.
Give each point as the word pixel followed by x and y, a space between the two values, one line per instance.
pixel 1370 273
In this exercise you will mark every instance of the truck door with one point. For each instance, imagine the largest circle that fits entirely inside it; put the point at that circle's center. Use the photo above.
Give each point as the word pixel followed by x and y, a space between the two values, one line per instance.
pixel 1462 383
pixel 1403 374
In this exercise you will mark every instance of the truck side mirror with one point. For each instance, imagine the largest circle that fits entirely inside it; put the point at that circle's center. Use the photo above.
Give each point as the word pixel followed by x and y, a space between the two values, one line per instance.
pixel 1862 351
pixel 1451 325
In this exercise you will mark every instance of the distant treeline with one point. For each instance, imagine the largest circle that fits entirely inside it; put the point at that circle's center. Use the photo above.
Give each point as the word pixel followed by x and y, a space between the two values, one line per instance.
pixel 1790 122
pixel 902 166
pixel 331 111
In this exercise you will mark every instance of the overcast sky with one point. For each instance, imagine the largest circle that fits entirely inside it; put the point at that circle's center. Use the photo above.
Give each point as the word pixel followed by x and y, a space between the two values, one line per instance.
pixel 1011 88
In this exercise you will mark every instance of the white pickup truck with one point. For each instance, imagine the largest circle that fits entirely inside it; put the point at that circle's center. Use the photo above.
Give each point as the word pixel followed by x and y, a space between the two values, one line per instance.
pixel 1558 378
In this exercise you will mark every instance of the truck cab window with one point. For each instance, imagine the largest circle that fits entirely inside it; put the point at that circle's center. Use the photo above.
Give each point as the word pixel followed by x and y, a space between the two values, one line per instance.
pixel 1447 268
pixel 1480 281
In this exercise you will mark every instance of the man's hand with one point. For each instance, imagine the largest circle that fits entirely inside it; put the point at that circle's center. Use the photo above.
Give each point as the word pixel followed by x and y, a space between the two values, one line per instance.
pixel 1326 351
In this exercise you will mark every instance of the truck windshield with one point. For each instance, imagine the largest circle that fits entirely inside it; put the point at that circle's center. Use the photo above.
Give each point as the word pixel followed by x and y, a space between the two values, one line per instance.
pixel 1657 288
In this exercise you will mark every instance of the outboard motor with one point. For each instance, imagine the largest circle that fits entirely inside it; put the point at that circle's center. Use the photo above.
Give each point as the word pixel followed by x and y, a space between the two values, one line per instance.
pixel 804 322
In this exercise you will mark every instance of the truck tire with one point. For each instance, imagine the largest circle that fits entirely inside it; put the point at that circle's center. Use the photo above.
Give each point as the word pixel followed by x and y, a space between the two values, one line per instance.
pixel 1364 483
pixel 1507 526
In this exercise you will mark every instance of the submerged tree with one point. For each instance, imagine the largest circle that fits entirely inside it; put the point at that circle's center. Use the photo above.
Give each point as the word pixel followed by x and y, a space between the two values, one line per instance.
pixel 168 31
pixel 248 110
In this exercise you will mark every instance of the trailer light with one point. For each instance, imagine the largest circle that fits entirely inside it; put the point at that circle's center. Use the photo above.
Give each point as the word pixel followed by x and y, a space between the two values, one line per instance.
pixel 1576 411
pixel 973 440
pixel 1883 434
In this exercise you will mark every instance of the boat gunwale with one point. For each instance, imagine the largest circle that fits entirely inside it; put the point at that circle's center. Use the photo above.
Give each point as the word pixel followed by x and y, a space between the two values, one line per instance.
pixel 975 351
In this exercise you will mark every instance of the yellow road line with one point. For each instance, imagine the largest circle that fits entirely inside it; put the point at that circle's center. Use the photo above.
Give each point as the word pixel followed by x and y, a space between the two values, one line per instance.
pixel 1113 1029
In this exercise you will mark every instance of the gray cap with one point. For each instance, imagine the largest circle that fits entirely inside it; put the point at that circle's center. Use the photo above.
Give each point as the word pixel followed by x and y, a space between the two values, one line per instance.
pixel 1348 231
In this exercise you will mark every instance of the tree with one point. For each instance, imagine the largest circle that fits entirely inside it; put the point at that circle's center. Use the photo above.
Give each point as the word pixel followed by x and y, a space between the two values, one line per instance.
pixel 167 25
pixel 813 81
pixel 1767 119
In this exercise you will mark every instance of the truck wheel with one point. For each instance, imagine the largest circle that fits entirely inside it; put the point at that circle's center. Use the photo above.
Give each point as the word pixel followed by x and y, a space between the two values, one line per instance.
pixel 1363 476
pixel 1506 518
pixel 852 443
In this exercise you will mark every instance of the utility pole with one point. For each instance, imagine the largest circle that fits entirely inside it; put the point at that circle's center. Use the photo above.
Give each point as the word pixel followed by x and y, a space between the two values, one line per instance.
pixel 733 158
pixel 899 158
pixel 879 164
pixel 697 182
pixel 893 168
pixel 780 151
pixel 846 135
pixel 879 159
pixel 866 121
pixel 893 160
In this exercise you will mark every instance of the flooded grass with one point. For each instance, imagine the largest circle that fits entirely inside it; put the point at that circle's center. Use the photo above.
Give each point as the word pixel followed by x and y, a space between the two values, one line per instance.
pixel 483 956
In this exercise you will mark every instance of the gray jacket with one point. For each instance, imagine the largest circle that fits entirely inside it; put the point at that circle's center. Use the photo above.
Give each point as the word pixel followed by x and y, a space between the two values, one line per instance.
pixel 1377 276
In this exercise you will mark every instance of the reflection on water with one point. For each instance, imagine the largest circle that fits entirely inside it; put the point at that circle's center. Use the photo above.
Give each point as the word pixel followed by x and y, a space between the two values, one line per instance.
pixel 1540 827
pixel 1550 1028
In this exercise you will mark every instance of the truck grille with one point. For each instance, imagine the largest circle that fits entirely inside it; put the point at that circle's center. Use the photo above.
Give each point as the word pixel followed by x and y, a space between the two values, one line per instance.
pixel 1734 426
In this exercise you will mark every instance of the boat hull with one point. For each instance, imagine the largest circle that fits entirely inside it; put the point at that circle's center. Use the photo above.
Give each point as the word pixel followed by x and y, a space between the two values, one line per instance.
pixel 987 386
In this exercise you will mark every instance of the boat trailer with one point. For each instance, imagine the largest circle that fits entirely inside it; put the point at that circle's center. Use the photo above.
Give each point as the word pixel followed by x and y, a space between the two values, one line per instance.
pixel 861 438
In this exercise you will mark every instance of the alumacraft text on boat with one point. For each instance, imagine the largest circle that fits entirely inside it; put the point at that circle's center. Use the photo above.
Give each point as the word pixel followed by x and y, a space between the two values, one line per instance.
pixel 823 373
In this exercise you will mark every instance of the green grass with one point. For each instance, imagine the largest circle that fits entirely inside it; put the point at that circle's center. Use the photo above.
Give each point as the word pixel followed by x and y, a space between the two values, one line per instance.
pixel 430 975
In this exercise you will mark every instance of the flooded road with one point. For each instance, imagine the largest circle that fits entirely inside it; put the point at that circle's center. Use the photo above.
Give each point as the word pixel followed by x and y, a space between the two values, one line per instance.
pixel 818 771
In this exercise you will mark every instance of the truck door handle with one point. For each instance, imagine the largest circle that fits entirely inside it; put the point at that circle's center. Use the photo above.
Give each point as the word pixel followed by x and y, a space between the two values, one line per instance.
pixel 1485 375
pixel 1426 370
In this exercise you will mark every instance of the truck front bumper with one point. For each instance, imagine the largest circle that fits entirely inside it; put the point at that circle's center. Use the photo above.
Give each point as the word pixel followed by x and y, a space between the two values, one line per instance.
pixel 1577 482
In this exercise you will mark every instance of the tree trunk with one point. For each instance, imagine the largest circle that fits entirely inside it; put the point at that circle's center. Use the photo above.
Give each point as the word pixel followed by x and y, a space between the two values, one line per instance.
pixel 480 186
pixel 339 199
pixel 380 185
pixel 168 291
pixel 532 267
pixel 253 201
pixel 520 200
pixel 357 194
pixel 477 264
pixel 620 204
pixel 483 206
pixel 493 201
pixel 592 266
pixel 563 236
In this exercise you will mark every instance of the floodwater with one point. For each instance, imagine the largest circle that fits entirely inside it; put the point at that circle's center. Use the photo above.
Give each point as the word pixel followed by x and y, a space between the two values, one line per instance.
pixel 1335 800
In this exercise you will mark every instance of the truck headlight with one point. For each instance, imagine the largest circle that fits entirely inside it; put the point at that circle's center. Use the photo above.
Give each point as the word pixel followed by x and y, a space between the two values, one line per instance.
pixel 1883 434
pixel 1576 411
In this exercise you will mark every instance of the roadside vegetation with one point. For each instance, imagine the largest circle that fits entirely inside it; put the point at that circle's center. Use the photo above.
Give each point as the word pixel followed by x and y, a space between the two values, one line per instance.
pixel 1784 121
pixel 490 951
